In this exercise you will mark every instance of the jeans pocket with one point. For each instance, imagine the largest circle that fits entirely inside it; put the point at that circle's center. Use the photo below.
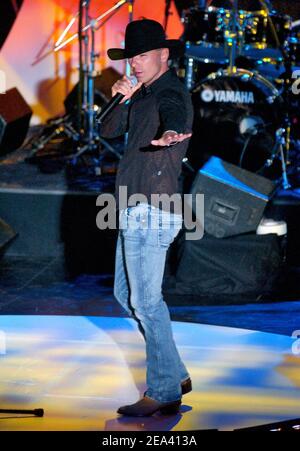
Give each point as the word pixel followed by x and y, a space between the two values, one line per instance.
pixel 167 235
pixel 133 220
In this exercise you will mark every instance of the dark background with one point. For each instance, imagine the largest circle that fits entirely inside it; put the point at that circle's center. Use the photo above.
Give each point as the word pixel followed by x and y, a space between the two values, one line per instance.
pixel 291 7
pixel 8 13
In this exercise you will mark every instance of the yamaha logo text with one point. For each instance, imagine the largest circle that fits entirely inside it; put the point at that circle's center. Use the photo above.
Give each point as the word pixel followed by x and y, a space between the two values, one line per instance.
pixel 208 95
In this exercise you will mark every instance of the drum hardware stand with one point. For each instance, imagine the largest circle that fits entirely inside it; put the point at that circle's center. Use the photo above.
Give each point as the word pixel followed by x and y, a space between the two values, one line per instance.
pixel 63 125
pixel 85 134
pixel 283 135
pixel 231 39
pixel 280 144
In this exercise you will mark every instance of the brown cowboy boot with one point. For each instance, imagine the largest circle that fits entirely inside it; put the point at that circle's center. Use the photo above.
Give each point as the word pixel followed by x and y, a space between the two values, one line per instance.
pixel 146 407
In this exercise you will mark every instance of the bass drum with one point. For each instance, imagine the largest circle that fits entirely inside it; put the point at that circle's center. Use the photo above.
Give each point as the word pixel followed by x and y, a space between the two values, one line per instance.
pixel 236 118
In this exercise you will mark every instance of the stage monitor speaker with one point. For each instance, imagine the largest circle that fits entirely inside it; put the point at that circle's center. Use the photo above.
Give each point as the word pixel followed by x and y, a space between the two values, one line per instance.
pixel 234 199
pixel 102 90
pixel 15 116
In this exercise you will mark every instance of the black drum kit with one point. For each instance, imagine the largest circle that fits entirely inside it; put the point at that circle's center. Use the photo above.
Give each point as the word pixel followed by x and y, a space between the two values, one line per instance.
pixel 240 66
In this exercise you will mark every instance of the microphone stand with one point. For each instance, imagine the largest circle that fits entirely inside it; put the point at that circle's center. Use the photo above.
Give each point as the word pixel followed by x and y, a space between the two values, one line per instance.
pixel 35 412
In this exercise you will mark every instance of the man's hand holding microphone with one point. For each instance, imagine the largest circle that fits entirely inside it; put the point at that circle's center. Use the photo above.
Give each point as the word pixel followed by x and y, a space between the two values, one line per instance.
pixel 122 90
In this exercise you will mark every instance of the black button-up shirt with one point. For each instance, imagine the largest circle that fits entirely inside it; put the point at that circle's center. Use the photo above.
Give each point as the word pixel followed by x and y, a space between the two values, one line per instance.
pixel 146 169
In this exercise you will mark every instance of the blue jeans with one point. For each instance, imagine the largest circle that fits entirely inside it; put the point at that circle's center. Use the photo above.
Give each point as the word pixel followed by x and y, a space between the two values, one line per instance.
pixel 145 235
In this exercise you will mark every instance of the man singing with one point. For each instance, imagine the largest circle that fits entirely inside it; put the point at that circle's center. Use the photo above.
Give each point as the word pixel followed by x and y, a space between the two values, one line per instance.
pixel 157 113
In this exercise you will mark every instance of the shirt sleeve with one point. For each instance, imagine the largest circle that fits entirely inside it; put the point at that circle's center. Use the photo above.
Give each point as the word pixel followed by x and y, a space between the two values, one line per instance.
pixel 116 122
pixel 172 111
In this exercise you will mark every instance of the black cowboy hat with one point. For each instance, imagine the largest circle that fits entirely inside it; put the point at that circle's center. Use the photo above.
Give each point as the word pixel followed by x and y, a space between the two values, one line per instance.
pixel 144 35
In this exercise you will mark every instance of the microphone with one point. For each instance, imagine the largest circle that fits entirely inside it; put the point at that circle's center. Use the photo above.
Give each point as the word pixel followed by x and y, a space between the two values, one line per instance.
pixel 186 162
pixel 113 102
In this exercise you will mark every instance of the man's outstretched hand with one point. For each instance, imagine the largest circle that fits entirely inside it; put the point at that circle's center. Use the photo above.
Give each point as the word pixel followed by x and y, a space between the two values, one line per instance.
pixel 170 138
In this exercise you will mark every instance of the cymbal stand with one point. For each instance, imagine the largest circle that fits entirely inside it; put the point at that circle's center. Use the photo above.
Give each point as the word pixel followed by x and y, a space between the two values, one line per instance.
pixel 167 14
pixel 35 412
pixel 89 136
pixel 231 38
pixel 278 150
pixel 283 135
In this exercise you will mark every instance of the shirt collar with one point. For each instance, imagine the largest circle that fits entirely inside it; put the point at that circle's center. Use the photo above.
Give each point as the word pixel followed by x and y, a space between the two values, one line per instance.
pixel 147 90
pixel 163 79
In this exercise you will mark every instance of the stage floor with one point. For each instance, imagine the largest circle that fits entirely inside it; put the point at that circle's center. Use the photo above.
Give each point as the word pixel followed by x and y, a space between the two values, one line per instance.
pixel 81 369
